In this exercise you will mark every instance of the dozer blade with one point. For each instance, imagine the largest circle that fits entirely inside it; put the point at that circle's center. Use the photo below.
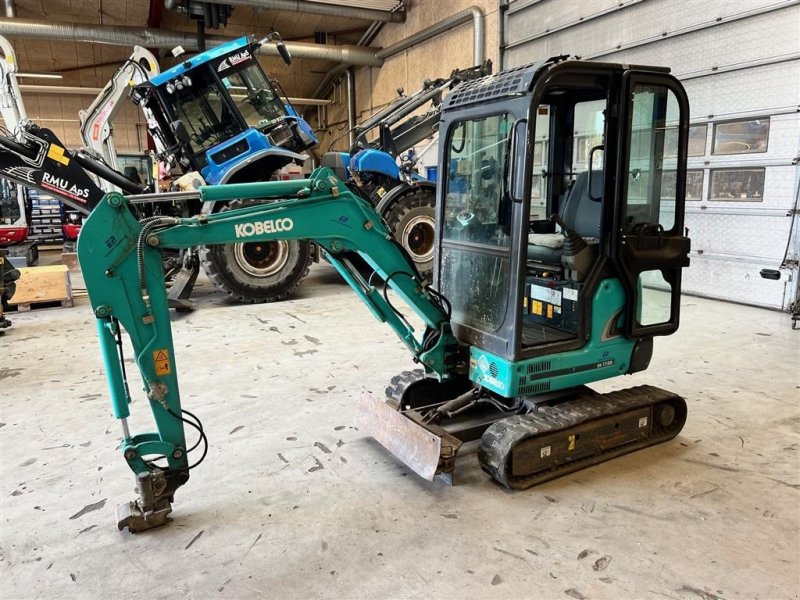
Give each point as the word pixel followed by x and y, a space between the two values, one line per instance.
pixel 426 449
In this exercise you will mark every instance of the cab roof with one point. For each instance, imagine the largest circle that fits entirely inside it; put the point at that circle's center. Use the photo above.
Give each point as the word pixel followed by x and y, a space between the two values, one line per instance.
pixel 512 82
pixel 202 58
pixel 519 80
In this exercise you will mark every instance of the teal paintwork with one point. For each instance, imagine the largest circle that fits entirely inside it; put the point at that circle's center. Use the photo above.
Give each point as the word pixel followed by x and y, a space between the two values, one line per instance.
pixel 322 208
pixel 107 253
pixel 603 356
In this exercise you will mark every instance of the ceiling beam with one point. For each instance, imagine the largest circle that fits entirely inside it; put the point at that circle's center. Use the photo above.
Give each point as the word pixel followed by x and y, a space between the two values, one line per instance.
pixel 119 35
pixel 93 91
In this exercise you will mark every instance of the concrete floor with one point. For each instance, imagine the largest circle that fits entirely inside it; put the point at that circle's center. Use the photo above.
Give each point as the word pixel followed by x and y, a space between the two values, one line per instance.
pixel 294 502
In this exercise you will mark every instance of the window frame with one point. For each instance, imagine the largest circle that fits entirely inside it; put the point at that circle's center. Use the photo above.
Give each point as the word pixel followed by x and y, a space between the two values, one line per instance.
pixel 717 124
pixel 711 197
pixel 447 179
pixel 686 195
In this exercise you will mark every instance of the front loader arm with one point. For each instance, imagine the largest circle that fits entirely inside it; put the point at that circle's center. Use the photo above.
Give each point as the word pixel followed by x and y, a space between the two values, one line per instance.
pixel 121 261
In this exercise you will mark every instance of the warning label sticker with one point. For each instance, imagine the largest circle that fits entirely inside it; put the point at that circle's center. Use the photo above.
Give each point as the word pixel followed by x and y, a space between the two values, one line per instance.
pixel 161 361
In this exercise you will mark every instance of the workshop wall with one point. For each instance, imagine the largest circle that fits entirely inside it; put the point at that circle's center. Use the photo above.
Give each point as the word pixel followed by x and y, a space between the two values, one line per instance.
pixel 375 87
pixel 59 113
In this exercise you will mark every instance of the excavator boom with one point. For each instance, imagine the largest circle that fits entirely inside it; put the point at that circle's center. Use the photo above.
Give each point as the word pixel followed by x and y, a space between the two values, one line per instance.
pixel 119 255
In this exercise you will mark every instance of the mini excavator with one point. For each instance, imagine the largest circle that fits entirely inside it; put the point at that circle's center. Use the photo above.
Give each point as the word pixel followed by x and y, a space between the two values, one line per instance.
pixel 559 251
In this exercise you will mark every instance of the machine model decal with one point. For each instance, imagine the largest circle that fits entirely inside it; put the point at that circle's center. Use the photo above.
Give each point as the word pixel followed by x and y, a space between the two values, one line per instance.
pixel 260 227
pixel 485 368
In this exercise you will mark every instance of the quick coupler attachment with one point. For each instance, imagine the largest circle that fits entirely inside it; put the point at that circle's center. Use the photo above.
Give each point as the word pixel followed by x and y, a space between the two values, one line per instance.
pixel 154 504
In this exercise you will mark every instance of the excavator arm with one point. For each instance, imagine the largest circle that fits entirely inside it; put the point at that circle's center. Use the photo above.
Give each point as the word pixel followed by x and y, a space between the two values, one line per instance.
pixel 38 160
pixel 96 121
pixel 121 261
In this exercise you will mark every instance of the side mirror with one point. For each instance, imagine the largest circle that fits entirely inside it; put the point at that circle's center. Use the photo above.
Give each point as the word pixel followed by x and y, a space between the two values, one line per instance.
pixel 488 169
pixel 284 52
pixel 179 131
pixel 281 47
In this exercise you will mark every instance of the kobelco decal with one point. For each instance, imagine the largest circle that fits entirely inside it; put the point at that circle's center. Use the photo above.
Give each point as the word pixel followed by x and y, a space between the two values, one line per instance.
pixel 261 227
pixel 233 60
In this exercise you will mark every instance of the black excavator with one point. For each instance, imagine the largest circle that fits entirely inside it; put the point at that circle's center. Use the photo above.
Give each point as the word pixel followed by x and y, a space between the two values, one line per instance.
pixel 559 251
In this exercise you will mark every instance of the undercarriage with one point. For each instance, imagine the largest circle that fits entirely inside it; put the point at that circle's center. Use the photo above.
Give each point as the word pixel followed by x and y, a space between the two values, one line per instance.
pixel 523 443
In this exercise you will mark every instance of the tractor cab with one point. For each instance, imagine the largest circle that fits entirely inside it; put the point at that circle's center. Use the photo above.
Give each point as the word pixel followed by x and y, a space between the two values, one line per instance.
pixel 224 116
pixel 560 219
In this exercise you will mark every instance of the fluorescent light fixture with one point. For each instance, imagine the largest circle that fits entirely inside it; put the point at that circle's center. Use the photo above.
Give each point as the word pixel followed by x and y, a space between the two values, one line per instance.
pixel 41 75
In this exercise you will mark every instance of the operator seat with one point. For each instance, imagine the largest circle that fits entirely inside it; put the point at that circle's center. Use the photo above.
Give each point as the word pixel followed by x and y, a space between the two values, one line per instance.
pixel 579 212
pixel 132 173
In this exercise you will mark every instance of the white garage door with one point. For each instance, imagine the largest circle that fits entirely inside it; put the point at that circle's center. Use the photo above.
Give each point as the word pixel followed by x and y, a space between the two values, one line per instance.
pixel 740 64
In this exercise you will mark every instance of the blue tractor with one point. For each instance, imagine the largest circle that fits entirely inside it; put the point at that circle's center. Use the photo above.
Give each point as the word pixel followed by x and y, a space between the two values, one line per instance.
pixel 219 115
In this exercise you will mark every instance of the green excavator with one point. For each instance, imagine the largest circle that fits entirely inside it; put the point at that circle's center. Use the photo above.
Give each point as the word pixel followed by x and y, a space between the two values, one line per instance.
pixel 559 250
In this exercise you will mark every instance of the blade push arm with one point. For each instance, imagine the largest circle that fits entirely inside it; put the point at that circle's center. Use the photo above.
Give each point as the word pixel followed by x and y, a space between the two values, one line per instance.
pixel 121 261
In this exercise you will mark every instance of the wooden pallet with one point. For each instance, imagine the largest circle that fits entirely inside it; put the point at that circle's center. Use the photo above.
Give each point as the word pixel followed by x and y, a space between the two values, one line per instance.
pixel 27 306
pixel 70 259
pixel 37 286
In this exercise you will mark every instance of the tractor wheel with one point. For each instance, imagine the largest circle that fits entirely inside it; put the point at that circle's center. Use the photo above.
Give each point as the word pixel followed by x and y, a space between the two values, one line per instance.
pixel 412 221
pixel 256 271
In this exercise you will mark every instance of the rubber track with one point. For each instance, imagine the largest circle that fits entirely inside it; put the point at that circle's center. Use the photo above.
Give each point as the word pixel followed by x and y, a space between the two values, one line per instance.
pixel 502 436
pixel 400 382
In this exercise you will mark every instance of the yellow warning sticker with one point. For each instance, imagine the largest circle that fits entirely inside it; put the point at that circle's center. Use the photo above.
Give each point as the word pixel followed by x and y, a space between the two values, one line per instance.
pixel 536 307
pixel 161 360
pixel 549 311
pixel 56 153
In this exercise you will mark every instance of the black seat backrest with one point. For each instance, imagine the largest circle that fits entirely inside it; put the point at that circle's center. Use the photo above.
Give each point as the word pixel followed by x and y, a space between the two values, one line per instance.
pixel 132 173
pixel 579 211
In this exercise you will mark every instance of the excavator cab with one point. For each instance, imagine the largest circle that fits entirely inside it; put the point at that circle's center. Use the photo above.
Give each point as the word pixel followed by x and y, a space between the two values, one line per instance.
pixel 560 250
pixel 560 213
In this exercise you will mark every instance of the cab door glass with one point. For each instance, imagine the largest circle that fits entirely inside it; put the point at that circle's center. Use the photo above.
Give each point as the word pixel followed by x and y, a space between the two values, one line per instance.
pixel 590 124
pixel 476 228
pixel 655 294
pixel 204 111
pixel 541 162
pixel 651 196
pixel 477 206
